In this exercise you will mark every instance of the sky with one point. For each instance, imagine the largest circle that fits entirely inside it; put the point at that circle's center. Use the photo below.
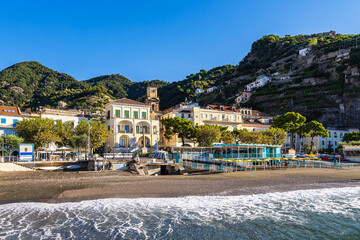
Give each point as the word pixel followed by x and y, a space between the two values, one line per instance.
pixel 166 40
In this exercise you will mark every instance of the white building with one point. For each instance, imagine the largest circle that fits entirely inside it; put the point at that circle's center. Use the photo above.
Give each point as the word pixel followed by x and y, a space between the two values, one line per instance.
pixel 331 142
pixel 303 52
pixel 70 115
pixel 260 81
pixel 199 91
pixel 132 125
pixel 209 90
pixel 9 116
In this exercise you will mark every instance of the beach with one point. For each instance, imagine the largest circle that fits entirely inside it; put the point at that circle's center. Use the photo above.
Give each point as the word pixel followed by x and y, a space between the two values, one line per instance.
pixel 57 187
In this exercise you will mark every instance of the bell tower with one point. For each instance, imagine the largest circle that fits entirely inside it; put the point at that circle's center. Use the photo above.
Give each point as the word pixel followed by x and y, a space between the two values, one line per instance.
pixel 153 100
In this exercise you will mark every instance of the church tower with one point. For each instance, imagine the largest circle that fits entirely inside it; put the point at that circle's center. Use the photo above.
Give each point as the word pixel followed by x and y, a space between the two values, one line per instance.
pixel 153 100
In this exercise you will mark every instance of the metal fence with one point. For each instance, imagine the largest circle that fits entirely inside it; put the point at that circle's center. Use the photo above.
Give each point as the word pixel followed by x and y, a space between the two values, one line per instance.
pixel 249 165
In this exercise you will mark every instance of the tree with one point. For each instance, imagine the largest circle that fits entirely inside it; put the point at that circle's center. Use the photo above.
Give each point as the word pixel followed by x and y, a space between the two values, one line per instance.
pixel 274 136
pixel 206 135
pixel 78 141
pixel 314 128
pixel 180 126
pixel 245 136
pixel 352 136
pixel 98 132
pixel 40 131
pixel 306 148
pixel 291 122
pixel 227 137
pixel 303 132
pixel 11 142
pixel 65 130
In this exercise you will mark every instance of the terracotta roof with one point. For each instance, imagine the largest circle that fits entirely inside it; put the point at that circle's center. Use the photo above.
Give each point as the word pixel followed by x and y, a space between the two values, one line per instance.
pixel 168 110
pixel 11 111
pixel 128 101
pixel 226 108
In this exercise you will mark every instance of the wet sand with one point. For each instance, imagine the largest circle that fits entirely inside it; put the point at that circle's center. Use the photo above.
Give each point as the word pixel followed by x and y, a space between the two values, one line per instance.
pixel 56 187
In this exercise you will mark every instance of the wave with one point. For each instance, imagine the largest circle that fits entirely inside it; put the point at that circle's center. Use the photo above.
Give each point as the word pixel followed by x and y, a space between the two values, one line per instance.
pixel 273 215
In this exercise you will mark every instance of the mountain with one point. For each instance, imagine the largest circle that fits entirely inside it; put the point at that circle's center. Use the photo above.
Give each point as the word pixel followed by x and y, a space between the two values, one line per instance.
pixel 323 84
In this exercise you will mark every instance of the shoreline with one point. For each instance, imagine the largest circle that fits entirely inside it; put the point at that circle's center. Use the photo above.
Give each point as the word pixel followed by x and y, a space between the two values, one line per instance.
pixel 60 187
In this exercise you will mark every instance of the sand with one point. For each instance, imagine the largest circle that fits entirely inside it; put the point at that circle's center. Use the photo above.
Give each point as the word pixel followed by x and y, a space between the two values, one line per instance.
pixel 56 187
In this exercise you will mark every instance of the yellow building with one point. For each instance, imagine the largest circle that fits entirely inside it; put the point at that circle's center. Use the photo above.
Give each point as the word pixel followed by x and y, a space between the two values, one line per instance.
pixel 225 116
pixel 132 124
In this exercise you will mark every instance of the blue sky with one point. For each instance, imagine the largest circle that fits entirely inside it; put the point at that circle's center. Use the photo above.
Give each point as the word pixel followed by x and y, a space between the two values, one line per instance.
pixel 145 40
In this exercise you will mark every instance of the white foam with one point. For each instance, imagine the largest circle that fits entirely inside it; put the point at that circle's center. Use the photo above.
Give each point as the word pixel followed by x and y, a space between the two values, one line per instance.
pixel 140 216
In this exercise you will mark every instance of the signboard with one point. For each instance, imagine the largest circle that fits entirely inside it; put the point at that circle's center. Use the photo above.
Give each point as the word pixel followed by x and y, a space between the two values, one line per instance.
pixel 26 152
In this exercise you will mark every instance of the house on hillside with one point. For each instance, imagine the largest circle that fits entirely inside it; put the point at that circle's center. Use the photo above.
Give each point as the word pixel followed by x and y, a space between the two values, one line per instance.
pixel 341 57
pixel 199 91
pixel 243 97
pixel 209 90
pixel 303 52
pixel 260 81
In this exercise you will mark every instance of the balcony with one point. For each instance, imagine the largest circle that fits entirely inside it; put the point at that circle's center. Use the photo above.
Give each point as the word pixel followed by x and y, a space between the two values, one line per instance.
pixel 214 119
pixel 126 131
pixel 143 131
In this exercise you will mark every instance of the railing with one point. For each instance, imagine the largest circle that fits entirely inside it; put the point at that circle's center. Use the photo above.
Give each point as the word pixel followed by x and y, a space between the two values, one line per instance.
pixel 118 155
pixel 248 165
pixel 142 131
pixel 125 131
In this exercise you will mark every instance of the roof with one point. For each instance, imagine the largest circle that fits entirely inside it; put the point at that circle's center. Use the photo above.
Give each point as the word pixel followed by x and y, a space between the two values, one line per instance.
pixel 255 122
pixel 258 113
pixel 225 108
pixel 10 111
pixel 168 110
pixel 128 101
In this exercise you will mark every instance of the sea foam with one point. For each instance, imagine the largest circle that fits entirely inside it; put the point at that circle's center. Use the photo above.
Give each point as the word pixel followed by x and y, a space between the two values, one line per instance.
pixel 271 215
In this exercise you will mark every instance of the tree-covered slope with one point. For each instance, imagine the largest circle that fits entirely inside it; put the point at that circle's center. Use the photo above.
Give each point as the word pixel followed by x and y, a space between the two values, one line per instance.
pixel 29 83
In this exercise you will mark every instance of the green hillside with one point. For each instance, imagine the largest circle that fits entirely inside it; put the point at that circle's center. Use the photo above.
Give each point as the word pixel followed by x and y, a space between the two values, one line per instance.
pixel 323 85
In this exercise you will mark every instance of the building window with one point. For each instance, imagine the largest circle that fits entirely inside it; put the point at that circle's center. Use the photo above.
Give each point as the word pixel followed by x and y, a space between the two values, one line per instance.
pixel 144 115
pixel 108 114
pixel 117 113
pixel 201 116
pixel 335 134
pixel 323 142
pixel 235 118
pixel 210 116
pixel 136 114
pixel 137 129
pixel 341 135
pixel 109 127
pixel 335 143
pixel 15 121
pixel 329 134
pixel 127 114
pixel 118 128
pixel 3 120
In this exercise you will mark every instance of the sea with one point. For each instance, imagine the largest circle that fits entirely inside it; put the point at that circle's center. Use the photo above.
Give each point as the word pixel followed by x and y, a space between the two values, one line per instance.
pixel 332 213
